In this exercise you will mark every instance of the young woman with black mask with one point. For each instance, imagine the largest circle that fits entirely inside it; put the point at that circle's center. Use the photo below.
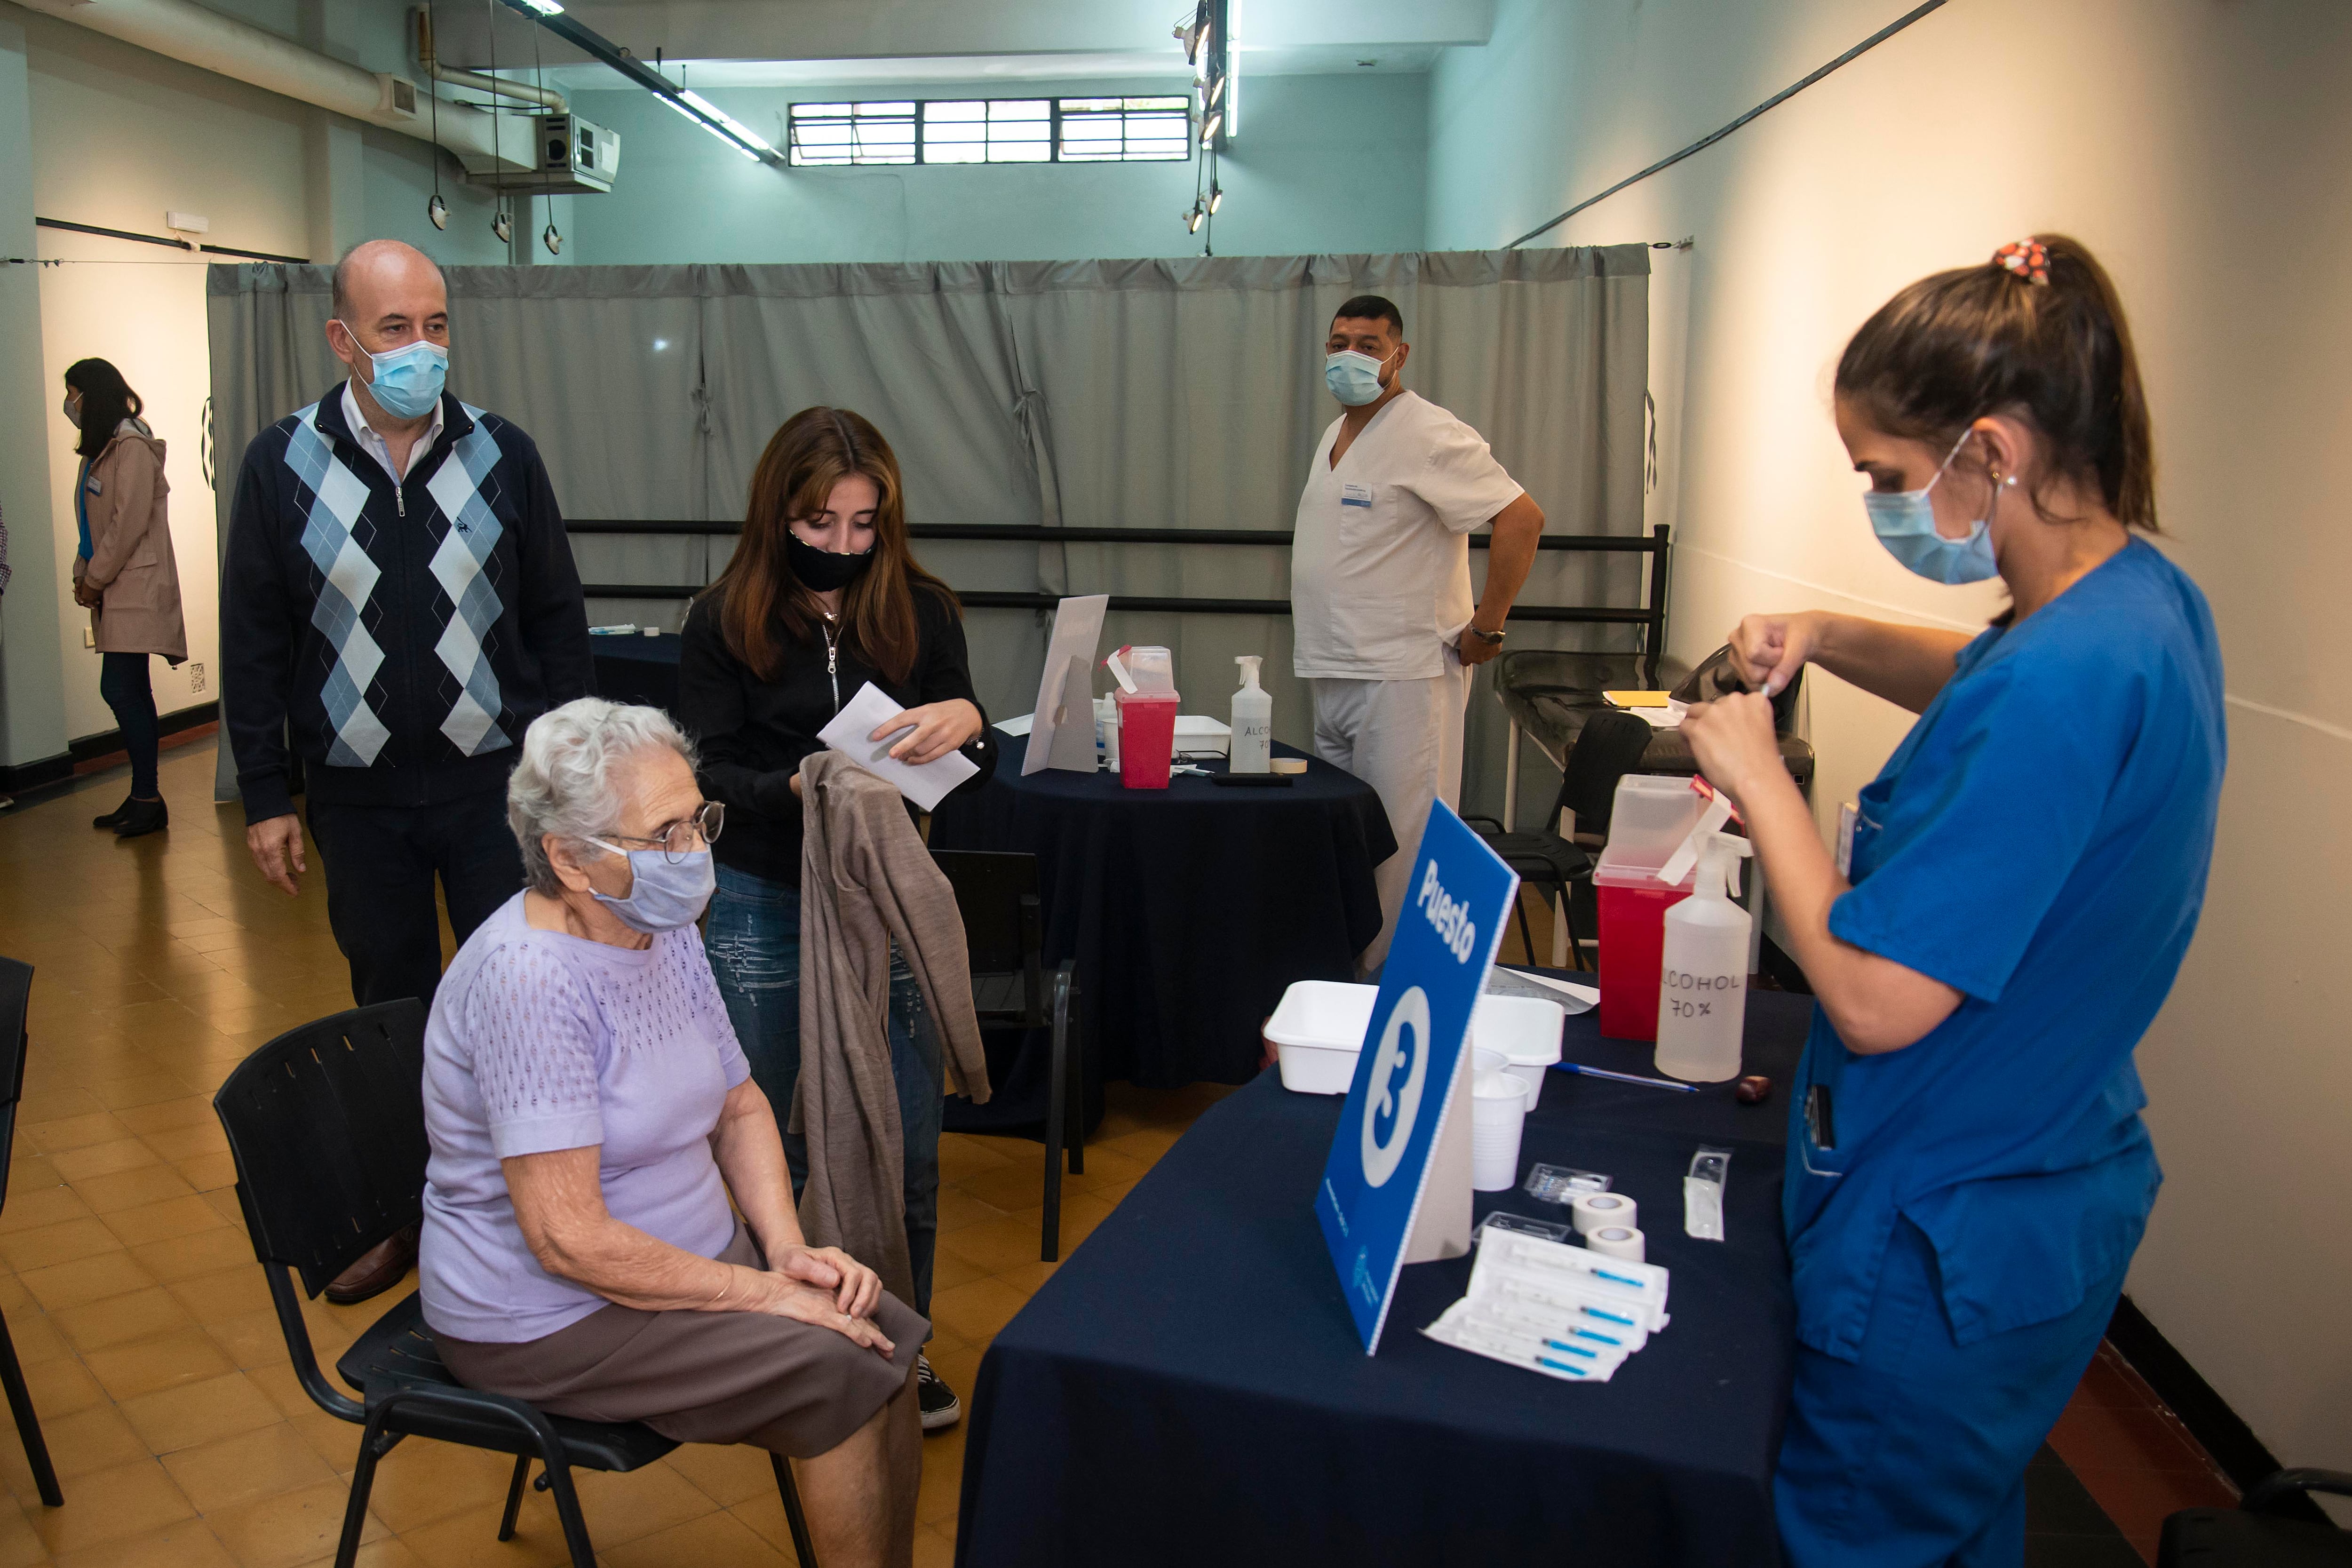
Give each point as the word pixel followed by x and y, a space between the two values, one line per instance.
pixel 821 597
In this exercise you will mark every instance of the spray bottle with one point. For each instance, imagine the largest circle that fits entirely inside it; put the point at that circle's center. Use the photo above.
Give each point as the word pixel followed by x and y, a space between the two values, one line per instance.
pixel 1253 746
pixel 1702 972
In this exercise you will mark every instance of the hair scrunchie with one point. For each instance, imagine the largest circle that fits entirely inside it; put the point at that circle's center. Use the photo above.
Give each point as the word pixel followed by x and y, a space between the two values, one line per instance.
pixel 2029 258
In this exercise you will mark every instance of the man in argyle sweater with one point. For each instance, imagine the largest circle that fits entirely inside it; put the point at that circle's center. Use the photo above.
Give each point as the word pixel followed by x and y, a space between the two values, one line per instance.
pixel 398 603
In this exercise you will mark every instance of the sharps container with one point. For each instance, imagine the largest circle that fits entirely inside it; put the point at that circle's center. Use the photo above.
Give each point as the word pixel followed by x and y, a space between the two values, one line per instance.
pixel 1648 820
pixel 1147 720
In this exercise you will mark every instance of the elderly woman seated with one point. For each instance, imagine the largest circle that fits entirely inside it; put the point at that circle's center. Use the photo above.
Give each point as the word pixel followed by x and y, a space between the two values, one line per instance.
pixel 591 1113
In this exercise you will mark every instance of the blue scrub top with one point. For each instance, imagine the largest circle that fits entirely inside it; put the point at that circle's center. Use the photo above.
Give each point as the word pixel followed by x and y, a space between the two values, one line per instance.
pixel 2039 842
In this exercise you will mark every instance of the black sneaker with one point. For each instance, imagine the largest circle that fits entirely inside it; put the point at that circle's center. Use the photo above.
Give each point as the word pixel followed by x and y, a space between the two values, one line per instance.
pixel 941 1409
pixel 112 818
pixel 140 816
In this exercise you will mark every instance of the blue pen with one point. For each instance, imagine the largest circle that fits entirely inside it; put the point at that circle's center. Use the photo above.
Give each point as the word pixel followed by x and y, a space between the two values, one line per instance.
pixel 1618 1278
pixel 1623 1076
pixel 1558 1365
pixel 1613 1317
pixel 1573 1350
pixel 1590 1334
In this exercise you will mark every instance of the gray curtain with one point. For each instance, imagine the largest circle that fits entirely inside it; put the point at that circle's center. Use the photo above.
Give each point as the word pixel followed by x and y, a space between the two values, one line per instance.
pixel 1166 394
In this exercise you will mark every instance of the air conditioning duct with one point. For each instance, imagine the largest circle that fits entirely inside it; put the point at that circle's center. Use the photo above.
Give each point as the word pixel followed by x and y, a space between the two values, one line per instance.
pixel 180 30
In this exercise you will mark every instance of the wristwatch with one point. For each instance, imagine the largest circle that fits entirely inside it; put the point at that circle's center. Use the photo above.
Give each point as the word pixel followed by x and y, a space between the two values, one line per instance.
pixel 1493 639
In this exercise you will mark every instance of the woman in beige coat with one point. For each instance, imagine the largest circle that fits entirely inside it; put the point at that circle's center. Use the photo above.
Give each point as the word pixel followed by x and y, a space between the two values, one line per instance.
pixel 124 573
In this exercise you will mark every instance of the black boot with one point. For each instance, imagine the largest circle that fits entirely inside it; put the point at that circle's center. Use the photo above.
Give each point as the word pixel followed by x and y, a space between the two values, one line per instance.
pixel 139 816
pixel 112 818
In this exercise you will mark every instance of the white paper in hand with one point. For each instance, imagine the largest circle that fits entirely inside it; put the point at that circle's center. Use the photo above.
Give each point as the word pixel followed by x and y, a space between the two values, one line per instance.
pixel 869 710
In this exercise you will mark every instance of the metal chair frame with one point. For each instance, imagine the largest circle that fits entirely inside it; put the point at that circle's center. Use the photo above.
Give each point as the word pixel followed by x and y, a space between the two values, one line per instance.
pixel 16 1000
pixel 1004 920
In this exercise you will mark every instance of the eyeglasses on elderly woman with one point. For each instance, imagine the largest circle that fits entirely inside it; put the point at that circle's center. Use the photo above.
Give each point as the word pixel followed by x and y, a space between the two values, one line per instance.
pixel 698 830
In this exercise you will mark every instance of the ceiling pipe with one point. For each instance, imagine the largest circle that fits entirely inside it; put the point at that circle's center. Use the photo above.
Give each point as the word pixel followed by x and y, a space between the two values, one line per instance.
pixel 191 35
pixel 546 98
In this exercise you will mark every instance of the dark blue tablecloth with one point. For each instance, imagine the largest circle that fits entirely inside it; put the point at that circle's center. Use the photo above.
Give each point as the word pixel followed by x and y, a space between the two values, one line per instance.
pixel 637 669
pixel 1188 1388
pixel 1188 908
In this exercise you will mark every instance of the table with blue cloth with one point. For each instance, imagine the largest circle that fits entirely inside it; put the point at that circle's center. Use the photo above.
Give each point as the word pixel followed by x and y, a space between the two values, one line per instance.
pixel 1189 1387
pixel 1188 909
pixel 635 667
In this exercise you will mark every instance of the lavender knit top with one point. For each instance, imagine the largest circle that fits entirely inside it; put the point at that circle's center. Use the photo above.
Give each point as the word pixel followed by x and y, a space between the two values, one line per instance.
pixel 539 1041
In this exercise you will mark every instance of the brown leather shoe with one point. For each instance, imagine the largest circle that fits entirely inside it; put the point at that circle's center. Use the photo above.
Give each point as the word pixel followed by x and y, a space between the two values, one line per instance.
pixel 378 1269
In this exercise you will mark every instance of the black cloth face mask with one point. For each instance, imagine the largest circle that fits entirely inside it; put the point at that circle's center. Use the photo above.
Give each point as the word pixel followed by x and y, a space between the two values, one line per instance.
pixel 823 571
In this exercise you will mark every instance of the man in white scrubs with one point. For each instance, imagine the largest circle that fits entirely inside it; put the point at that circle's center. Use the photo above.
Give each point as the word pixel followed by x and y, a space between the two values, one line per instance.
pixel 1383 624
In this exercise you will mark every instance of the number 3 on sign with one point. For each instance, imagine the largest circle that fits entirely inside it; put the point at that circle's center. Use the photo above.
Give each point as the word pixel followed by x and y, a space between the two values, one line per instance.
pixel 1388 1120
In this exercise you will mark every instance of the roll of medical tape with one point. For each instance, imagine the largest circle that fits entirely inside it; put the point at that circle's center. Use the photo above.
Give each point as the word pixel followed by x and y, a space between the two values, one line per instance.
pixel 1617 1241
pixel 1590 1211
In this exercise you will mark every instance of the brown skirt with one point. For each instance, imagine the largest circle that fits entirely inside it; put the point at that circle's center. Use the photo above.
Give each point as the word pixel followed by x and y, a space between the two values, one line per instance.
pixel 790 1387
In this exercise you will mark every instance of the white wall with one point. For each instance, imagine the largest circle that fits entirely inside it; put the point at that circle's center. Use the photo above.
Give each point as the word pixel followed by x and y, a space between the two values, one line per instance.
pixel 2203 148
pixel 120 136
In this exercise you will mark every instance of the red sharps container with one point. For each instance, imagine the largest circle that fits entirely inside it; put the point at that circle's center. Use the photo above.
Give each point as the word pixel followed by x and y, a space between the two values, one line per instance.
pixel 1648 820
pixel 1147 718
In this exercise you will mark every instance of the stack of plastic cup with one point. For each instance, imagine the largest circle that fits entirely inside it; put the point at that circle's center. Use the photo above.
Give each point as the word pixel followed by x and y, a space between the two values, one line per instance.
pixel 1498 1111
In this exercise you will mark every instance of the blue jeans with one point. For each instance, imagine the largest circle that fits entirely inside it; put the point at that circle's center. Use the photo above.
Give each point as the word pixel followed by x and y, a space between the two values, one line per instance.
pixel 122 681
pixel 754 942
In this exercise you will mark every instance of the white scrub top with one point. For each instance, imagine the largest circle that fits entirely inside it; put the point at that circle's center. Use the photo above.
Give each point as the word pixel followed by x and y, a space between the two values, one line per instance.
pixel 1380 569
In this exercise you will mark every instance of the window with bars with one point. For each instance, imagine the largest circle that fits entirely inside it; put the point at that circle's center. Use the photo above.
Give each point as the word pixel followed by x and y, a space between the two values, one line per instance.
pixel 993 130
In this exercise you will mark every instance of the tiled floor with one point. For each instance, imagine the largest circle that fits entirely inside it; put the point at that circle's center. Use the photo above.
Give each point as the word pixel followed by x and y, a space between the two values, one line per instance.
pixel 2132 1455
pixel 140 1316
pixel 146 1333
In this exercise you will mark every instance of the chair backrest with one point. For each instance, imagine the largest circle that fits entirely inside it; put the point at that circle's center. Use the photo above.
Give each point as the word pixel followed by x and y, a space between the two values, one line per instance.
pixel 1714 677
pixel 996 894
pixel 16 1000
pixel 326 1123
pixel 1609 747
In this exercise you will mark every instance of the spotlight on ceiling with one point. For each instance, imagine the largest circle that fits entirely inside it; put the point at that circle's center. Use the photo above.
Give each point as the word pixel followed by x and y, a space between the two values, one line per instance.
pixel 1216 197
pixel 1192 215
pixel 503 226
pixel 1211 125
pixel 552 237
pixel 439 211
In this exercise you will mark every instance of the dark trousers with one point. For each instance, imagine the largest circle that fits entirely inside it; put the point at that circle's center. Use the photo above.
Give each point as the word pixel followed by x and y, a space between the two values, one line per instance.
pixel 381 862
pixel 122 681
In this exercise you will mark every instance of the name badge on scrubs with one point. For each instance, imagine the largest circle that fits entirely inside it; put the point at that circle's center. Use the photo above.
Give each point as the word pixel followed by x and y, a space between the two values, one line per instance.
pixel 1355 495
pixel 1847 815
pixel 94 486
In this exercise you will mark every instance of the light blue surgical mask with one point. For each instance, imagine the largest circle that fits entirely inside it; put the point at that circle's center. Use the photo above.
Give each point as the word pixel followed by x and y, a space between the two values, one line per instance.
pixel 1905 521
pixel 664 894
pixel 1354 378
pixel 409 379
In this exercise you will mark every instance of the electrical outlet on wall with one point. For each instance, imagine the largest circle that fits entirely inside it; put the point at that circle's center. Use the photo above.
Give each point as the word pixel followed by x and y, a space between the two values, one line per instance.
pixel 196 678
pixel 88 637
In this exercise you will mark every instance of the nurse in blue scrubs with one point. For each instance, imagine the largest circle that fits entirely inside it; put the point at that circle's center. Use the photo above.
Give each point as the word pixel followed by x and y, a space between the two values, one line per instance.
pixel 1967 1174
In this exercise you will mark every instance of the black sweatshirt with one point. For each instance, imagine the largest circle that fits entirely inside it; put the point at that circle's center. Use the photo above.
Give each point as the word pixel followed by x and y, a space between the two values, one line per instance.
pixel 754 732
pixel 402 636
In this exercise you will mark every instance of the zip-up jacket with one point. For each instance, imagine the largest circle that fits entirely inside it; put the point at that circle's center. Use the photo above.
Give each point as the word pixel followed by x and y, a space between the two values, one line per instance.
pixel 401 635
pixel 753 731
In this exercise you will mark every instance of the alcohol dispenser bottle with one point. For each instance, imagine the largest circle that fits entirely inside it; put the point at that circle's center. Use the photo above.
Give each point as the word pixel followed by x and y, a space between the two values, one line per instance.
pixel 1703 978
pixel 1252 746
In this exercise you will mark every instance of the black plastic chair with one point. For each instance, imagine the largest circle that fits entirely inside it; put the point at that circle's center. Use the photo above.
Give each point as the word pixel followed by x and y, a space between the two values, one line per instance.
pixel 1004 928
pixel 1606 748
pixel 2254 1535
pixel 16 1000
pixel 326 1124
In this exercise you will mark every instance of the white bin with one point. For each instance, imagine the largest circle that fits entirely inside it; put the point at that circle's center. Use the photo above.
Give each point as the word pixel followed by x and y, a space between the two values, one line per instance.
pixel 1317 1031
pixel 1526 1030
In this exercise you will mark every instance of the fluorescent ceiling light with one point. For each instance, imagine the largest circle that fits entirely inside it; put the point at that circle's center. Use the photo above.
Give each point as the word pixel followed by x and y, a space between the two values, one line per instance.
pixel 543 7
